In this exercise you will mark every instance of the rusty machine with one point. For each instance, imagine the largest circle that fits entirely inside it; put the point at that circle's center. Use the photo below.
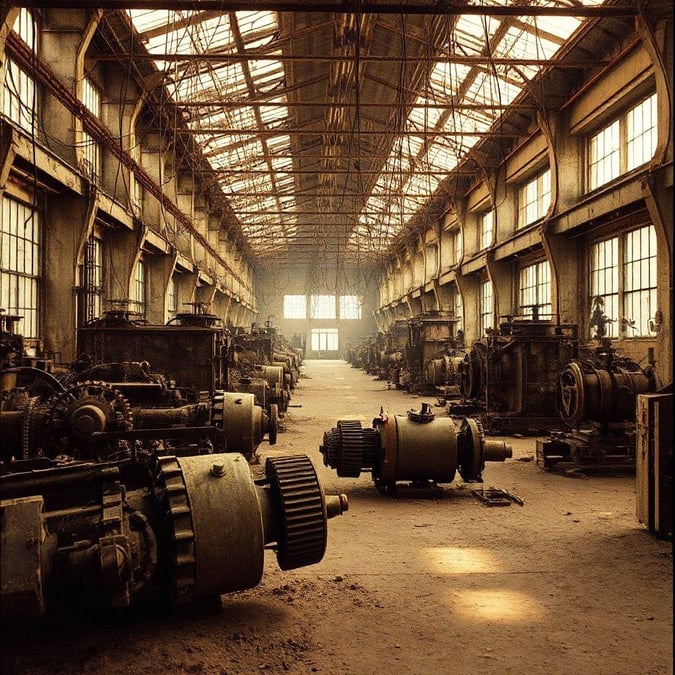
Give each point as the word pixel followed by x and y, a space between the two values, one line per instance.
pixel 597 396
pixel 510 379
pixel 196 351
pixel 148 529
pixel 395 341
pixel 431 355
pixel 117 492
pixel 416 448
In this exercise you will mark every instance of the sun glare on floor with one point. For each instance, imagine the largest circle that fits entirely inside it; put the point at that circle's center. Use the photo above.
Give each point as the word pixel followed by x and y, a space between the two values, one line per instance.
pixel 456 560
pixel 496 604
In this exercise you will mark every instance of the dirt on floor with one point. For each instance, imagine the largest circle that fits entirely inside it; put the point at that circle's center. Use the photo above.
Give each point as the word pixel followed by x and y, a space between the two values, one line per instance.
pixel 570 582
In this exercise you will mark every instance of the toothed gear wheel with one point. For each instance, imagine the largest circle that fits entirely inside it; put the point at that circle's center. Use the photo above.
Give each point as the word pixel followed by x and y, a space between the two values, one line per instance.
pixel 174 501
pixel 303 511
pixel 88 407
pixel 218 409
pixel 30 428
pixel 329 448
pixel 350 454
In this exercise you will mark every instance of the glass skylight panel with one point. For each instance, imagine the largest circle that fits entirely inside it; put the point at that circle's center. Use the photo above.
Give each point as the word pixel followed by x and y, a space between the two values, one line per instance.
pixel 470 32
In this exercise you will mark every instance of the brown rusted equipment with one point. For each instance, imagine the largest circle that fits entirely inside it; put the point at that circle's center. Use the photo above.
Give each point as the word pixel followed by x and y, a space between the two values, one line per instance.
pixel 417 448
pixel 150 529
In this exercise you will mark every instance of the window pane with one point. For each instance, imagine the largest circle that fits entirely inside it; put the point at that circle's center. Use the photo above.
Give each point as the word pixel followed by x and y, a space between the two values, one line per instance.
pixel 486 307
pixel 487 223
pixel 322 307
pixel 324 339
pixel 604 156
pixel 639 279
pixel 534 198
pixel 535 291
pixel 20 263
pixel 641 133
pixel 350 307
pixel 604 276
pixel 295 307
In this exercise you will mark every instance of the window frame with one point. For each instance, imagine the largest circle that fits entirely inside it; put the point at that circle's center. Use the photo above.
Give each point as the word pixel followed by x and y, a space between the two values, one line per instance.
pixel 616 275
pixel 320 302
pixel 534 198
pixel 20 287
pixel 299 305
pixel 624 137
pixel 540 282
pixel 320 333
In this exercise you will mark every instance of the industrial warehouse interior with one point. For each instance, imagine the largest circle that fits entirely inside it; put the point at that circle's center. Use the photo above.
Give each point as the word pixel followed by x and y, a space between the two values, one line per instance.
pixel 336 337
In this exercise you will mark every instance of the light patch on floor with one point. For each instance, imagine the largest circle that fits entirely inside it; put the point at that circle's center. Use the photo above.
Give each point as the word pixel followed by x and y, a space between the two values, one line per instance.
pixel 456 560
pixel 495 604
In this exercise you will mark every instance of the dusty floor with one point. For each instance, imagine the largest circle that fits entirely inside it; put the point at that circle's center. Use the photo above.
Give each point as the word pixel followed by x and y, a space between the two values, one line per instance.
pixel 569 583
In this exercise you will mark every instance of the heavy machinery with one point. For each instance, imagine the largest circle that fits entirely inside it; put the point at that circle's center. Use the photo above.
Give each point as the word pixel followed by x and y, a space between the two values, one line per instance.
pixel 431 337
pixel 418 448
pixel 597 396
pixel 151 529
pixel 510 379
pixel 109 409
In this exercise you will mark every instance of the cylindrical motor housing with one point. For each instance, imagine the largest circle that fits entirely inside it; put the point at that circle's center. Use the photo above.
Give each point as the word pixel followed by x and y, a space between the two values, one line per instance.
pixel 417 447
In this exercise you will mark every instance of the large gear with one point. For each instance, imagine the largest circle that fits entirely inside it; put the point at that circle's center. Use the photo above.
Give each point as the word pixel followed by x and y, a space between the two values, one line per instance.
pixel 171 491
pixel 351 444
pixel 303 541
pixel 88 407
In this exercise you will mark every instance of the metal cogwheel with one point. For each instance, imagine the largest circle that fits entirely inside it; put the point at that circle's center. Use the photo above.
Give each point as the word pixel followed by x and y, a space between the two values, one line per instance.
pixel 329 447
pixel 303 511
pixel 218 409
pixel 29 428
pixel 350 454
pixel 174 502
pixel 111 402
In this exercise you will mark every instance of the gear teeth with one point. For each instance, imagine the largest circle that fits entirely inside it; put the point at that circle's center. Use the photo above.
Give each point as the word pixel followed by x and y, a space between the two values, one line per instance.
pixel 351 444
pixel 303 511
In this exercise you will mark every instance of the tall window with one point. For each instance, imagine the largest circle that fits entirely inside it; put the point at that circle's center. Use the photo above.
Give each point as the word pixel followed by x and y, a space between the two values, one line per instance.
pixel 458 246
pixel 295 306
pixel 487 228
pixel 92 279
pixel 459 309
pixel 623 275
pixel 324 339
pixel 623 145
pixel 322 307
pixel 350 307
pixel 604 276
pixel 487 311
pixel 20 264
pixel 172 296
pixel 18 92
pixel 138 289
pixel 535 290
pixel 91 152
pixel 534 198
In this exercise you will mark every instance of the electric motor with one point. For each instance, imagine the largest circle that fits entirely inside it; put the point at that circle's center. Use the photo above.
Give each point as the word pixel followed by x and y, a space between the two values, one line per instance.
pixel 416 447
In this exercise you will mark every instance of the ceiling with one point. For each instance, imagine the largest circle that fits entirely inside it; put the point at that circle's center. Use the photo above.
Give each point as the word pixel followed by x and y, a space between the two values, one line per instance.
pixel 334 128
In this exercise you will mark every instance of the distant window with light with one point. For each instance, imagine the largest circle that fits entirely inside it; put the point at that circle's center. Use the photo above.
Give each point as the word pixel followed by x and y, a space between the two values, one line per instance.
pixel 18 92
pixel 138 289
pixel 324 339
pixel 20 263
pixel 295 306
pixel 350 307
pixel 172 296
pixel 623 145
pixel 322 307
pixel 91 151
pixel 487 310
pixel 487 228
pixel 535 291
pixel 459 309
pixel 458 246
pixel 534 198
pixel 623 277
